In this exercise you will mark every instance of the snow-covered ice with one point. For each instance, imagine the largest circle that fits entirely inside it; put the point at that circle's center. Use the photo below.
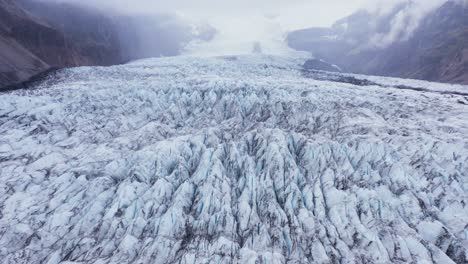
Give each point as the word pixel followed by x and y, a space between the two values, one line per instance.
pixel 241 159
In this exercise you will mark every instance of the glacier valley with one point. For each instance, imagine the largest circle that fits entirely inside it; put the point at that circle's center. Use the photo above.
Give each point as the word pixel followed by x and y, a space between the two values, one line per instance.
pixel 236 159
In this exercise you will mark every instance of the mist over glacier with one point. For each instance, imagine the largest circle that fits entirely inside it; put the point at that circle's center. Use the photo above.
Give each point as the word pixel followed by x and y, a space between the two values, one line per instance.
pixel 237 159
pixel 239 24
pixel 242 24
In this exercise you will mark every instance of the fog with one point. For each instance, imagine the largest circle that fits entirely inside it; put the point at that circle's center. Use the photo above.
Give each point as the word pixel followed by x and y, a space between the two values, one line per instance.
pixel 292 14
pixel 242 23
pixel 239 23
pixel 405 22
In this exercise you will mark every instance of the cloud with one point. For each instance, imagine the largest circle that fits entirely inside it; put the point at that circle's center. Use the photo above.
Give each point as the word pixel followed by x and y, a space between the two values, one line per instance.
pixel 292 14
pixel 404 22
pixel 238 36
pixel 241 23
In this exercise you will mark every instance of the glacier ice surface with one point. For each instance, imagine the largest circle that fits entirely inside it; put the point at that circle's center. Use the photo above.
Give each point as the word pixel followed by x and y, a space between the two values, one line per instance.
pixel 240 159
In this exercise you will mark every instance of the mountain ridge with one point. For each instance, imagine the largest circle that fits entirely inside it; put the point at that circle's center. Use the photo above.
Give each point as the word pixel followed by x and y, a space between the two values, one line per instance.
pixel 436 50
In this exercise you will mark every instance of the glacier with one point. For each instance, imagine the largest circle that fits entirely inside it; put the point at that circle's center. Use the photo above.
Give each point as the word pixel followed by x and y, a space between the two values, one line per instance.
pixel 233 159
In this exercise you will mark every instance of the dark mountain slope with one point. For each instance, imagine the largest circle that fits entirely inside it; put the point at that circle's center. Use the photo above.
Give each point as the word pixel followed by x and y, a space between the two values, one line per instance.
pixel 31 44
pixel 92 36
pixel 38 36
pixel 17 63
pixel 437 50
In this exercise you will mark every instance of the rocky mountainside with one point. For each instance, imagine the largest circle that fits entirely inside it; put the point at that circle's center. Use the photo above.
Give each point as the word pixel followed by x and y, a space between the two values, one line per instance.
pixel 247 159
pixel 17 61
pixel 436 50
pixel 89 36
pixel 38 36
pixel 111 37
pixel 33 43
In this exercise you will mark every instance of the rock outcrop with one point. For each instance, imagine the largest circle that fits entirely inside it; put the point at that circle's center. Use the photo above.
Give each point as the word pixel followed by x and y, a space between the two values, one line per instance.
pixel 320 65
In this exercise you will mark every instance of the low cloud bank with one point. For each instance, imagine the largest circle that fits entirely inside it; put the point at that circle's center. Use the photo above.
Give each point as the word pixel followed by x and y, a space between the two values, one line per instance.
pixel 240 25
pixel 210 27
pixel 406 17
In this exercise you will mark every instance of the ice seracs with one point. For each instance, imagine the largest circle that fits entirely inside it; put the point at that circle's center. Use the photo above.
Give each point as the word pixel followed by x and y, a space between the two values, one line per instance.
pixel 241 159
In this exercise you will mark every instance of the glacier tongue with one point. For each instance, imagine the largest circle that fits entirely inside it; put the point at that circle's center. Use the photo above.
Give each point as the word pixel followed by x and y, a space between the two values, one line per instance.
pixel 231 160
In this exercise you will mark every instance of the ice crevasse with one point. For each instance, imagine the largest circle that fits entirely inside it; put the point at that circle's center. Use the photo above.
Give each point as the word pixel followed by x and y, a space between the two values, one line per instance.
pixel 241 159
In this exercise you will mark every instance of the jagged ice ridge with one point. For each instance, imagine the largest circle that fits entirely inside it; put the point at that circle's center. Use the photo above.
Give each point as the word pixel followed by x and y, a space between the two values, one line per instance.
pixel 231 160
